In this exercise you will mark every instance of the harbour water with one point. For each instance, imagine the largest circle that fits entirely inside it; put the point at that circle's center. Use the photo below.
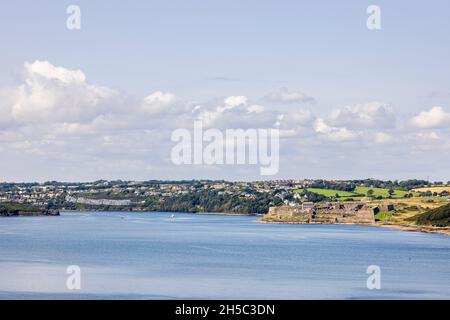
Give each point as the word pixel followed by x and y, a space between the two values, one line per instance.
pixel 190 256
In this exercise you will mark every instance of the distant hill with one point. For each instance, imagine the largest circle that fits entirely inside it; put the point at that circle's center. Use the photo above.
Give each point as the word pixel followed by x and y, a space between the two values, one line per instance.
pixel 439 217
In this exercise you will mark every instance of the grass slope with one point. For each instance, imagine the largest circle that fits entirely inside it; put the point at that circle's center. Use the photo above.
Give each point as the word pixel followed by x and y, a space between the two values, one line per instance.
pixel 439 217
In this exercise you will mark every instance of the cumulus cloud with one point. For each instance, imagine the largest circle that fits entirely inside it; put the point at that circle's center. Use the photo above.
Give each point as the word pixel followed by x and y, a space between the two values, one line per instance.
pixel 382 138
pixel 51 94
pixel 76 127
pixel 63 100
pixel 158 102
pixel 300 117
pixel 333 133
pixel 434 118
pixel 428 135
pixel 364 116
pixel 46 70
pixel 297 122
pixel 284 95
pixel 255 108
pixel 234 112
pixel 8 98
pixel 232 102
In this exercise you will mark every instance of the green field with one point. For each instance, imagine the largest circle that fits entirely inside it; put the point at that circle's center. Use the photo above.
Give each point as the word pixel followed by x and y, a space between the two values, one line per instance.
pixel 332 193
pixel 343 195
pixel 381 192
pixel 358 194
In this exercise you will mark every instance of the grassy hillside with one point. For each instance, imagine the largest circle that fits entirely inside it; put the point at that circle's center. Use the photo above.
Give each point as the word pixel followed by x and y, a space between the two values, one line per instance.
pixel 439 217
pixel 358 194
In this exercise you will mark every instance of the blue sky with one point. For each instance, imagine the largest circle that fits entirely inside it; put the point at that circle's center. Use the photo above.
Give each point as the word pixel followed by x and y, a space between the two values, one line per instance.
pixel 205 51
pixel 321 46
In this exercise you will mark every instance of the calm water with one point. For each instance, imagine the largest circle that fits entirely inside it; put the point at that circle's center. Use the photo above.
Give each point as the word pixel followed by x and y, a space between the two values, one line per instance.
pixel 154 256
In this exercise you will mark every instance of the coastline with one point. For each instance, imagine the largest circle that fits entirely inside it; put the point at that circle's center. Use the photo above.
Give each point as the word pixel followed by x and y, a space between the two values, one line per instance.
pixel 150 211
pixel 400 227
pixel 416 228
pixel 229 214
pixel 46 213
pixel 396 226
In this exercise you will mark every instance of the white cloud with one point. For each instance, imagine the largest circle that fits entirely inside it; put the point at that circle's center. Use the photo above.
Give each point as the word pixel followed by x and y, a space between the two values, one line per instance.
pixel 364 116
pixel 158 102
pixel 285 95
pixel 232 102
pixel 8 98
pixel 301 116
pixel 433 118
pixel 76 129
pixel 234 112
pixel 428 135
pixel 208 117
pixel 49 72
pixel 333 133
pixel 342 134
pixel 52 93
pixel 321 127
pixel 255 108
pixel 382 138
pixel 296 122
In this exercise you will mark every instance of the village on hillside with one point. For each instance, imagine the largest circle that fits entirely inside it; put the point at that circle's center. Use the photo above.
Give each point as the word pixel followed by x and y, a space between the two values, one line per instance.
pixel 279 201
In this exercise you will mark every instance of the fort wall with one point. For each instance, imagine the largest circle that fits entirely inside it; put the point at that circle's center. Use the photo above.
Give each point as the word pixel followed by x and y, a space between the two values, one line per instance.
pixel 329 214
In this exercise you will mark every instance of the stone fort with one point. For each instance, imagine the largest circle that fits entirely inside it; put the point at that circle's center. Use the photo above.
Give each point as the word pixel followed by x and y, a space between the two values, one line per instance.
pixel 333 212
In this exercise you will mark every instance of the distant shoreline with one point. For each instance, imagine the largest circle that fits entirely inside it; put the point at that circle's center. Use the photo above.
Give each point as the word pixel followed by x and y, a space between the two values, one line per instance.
pixel 416 228
pixel 30 214
pixel 151 211
pixel 228 214
pixel 400 227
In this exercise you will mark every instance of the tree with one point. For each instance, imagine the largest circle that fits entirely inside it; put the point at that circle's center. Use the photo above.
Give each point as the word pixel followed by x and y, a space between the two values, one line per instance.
pixel 370 192
pixel 428 193
pixel 391 192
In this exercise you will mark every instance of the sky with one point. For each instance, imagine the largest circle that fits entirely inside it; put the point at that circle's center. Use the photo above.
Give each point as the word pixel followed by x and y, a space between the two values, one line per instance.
pixel 102 102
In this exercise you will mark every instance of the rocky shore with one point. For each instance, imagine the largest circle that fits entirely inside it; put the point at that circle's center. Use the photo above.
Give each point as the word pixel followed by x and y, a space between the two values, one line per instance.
pixel 18 213
pixel 416 228
pixel 392 225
